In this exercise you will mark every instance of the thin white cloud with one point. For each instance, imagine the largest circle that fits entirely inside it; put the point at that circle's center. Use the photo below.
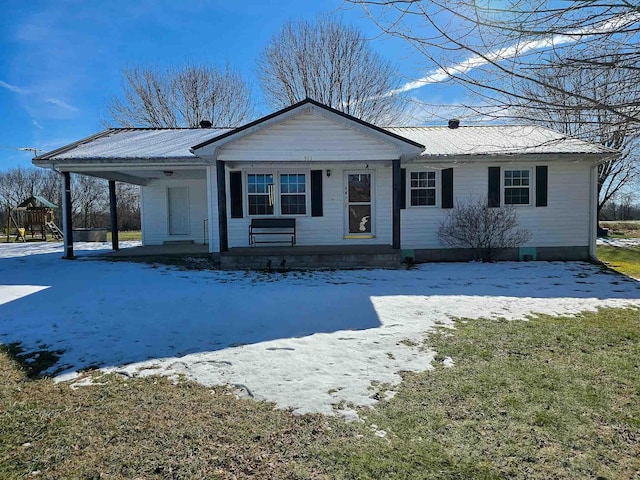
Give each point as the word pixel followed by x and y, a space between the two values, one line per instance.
pixel 13 88
pixel 61 103
pixel 35 123
pixel 441 74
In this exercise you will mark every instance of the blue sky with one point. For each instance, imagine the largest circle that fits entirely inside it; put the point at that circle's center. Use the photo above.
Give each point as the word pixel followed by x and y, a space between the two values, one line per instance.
pixel 62 59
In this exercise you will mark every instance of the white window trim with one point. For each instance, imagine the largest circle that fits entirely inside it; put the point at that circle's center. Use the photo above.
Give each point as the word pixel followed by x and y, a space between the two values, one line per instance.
pixel 277 212
pixel 248 195
pixel 531 187
pixel 408 189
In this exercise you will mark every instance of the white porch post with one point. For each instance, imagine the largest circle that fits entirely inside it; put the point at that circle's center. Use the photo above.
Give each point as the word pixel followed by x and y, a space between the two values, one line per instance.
pixel 212 210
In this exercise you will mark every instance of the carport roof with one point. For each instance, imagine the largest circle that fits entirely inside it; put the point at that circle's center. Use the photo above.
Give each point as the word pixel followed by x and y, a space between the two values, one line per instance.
pixel 135 143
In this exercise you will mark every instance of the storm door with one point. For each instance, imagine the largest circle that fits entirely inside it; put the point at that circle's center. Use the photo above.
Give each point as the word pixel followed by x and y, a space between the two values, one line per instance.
pixel 359 214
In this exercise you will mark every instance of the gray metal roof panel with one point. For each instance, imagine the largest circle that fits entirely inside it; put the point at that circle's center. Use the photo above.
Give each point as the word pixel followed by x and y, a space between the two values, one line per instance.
pixel 496 140
pixel 138 143
pixel 158 144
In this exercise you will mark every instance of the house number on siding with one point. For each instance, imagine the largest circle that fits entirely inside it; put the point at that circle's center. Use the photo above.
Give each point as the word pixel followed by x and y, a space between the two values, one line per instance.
pixel 308 158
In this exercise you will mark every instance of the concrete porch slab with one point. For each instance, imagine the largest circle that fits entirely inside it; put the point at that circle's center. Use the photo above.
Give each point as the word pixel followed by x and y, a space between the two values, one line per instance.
pixel 186 250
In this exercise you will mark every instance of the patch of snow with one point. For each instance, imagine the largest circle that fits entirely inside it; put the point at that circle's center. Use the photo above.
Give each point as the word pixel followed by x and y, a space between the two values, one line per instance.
pixel 308 341
pixel 349 414
pixel 85 382
pixel 618 242
pixel 389 394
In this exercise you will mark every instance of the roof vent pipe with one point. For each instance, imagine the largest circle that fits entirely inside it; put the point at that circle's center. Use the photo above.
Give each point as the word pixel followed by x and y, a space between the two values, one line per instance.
pixel 454 123
pixel 205 124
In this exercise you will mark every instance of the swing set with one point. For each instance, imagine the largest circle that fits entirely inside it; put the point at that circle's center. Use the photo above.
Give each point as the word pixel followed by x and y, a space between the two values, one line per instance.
pixel 35 218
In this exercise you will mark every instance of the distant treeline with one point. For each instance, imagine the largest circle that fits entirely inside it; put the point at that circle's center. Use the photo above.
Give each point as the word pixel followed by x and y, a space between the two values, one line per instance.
pixel 89 197
pixel 621 209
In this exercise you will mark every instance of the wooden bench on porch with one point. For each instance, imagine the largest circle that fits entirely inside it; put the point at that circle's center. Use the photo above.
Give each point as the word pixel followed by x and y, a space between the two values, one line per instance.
pixel 277 228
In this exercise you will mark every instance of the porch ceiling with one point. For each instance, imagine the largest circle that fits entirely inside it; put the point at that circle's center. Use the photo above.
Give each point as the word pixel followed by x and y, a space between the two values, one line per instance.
pixel 144 176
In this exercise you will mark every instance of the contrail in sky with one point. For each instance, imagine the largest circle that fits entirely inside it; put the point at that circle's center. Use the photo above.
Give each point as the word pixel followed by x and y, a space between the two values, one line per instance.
pixel 441 74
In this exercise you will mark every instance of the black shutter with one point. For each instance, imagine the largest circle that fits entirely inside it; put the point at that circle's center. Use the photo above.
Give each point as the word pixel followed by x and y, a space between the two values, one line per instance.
pixel 235 194
pixel 403 188
pixel 494 187
pixel 542 176
pixel 447 188
pixel 316 193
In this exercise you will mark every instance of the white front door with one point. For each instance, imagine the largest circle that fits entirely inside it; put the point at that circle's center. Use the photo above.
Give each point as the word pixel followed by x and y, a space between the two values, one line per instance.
pixel 359 203
pixel 178 200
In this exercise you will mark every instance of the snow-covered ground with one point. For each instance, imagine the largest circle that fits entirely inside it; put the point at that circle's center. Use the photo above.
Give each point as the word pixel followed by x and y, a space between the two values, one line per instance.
pixel 618 242
pixel 304 340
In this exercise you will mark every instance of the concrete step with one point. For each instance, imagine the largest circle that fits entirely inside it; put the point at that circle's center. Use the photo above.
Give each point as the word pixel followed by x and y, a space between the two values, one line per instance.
pixel 178 242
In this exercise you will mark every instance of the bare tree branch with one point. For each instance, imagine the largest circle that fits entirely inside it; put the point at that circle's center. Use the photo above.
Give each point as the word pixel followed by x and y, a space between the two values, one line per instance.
pixel 491 49
pixel 182 97
pixel 333 64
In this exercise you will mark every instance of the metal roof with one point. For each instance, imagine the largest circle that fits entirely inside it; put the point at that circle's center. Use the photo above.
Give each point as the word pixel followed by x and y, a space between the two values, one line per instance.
pixel 136 143
pixel 36 201
pixel 149 143
pixel 496 140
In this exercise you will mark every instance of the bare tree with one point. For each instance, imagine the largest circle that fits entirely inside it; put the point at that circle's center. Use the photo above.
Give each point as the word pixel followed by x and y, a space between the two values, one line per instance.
pixel 333 64
pixel 492 47
pixel 128 206
pixel 18 184
pixel 474 225
pixel 181 98
pixel 88 199
pixel 565 113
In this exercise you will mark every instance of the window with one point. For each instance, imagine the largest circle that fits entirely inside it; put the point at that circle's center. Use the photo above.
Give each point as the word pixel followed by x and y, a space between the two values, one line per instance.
pixel 288 196
pixel 517 187
pixel 423 188
pixel 260 192
pixel 293 198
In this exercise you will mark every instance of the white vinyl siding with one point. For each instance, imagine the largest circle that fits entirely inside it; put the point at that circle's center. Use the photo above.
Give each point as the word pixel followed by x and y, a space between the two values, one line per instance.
pixel 308 137
pixel 155 222
pixel 564 222
pixel 330 228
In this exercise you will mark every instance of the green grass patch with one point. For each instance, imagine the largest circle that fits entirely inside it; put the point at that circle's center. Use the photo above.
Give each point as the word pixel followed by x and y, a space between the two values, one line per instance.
pixel 549 398
pixel 126 236
pixel 623 259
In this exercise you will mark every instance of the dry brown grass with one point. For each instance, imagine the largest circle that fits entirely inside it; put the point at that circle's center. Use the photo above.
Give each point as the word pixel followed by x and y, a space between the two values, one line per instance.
pixel 146 428
pixel 623 228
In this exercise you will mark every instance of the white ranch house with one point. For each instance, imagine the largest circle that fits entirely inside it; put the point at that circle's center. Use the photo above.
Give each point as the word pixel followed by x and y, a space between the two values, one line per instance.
pixel 349 186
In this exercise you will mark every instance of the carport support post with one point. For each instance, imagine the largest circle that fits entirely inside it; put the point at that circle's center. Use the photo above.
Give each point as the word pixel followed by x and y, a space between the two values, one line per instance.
pixel 67 227
pixel 113 209
pixel 221 186
pixel 396 203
